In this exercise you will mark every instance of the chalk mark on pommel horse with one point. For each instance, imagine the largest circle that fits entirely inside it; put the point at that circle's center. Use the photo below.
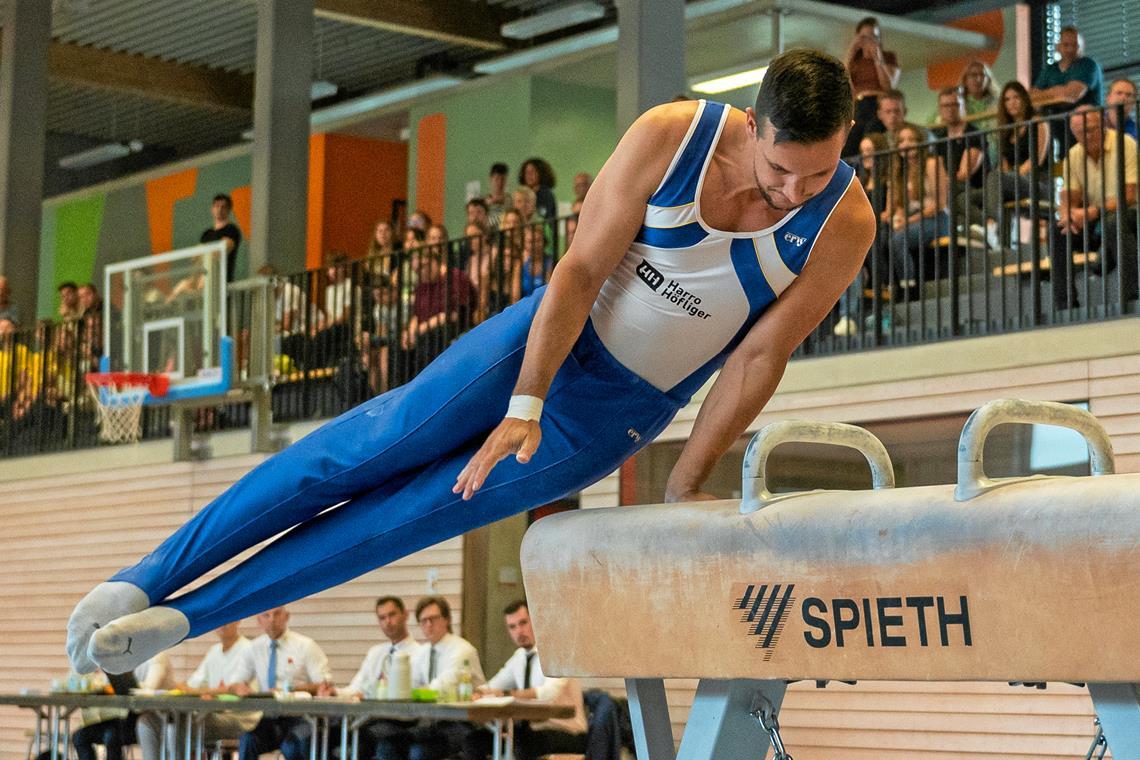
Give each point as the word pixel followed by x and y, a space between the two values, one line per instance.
pixel 1028 579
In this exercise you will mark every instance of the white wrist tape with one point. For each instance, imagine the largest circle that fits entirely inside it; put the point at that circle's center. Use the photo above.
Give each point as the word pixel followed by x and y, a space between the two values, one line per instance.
pixel 525 408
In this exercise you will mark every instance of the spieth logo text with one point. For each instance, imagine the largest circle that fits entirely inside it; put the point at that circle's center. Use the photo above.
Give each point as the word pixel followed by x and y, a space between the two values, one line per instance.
pixel 870 621
pixel 673 292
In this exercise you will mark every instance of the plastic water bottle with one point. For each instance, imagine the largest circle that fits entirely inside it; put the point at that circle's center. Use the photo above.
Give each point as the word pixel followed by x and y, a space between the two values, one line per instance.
pixel 465 689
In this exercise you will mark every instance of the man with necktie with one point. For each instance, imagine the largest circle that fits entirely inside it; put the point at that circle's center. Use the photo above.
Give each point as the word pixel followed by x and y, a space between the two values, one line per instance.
pixel 280 659
pixel 522 677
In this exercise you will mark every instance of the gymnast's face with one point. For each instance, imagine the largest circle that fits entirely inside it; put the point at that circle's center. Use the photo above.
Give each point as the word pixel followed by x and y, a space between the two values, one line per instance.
pixel 788 174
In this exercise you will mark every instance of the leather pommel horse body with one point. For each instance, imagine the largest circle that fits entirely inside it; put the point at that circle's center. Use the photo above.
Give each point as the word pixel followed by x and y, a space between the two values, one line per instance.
pixel 1021 579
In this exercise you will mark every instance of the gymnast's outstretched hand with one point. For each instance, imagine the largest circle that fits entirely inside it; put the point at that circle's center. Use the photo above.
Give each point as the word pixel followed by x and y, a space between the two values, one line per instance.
pixel 512 436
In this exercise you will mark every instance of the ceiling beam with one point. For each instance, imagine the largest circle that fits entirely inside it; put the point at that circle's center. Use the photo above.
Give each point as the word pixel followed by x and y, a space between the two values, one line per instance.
pixel 150 77
pixel 459 22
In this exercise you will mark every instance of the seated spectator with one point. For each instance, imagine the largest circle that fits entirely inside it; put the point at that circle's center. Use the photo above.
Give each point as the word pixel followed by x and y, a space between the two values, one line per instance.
pixel 8 312
pixel 871 169
pixel 538 175
pixel 442 304
pixel 419 220
pixel 582 182
pixel 213 676
pixel 115 728
pixel 1091 205
pixel 1073 80
pixel 916 201
pixel 437 665
pixel 91 312
pixel 477 214
pixel 964 154
pixel 874 71
pixel 892 115
pixel 1121 102
pixel 536 263
pixel 979 92
pixel 69 309
pixel 498 200
pixel 413 239
pixel 280 659
pixel 524 200
pixel 571 229
pixel 522 677
pixel 484 270
pixel 382 246
pixel 224 229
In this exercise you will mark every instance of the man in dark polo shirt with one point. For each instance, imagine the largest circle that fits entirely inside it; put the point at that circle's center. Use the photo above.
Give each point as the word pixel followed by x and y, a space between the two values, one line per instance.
pixel 224 229
pixel 1074 80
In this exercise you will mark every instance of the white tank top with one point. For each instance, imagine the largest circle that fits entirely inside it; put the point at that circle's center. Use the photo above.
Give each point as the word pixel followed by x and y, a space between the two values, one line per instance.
pixel 685 294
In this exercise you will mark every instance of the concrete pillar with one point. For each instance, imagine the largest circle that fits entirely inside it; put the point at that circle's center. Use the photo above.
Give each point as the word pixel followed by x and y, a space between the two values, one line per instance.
pixel 650 56
pixel 281 111
pixel 23 122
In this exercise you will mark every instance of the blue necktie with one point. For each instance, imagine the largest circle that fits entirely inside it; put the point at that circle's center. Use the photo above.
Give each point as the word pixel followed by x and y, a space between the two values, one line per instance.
pixel 272 665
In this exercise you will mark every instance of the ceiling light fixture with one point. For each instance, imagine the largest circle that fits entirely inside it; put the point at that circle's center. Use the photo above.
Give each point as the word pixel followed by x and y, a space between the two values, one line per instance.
pixel 100 154
pixel 562 17
pixel 729 79
pixel 322 88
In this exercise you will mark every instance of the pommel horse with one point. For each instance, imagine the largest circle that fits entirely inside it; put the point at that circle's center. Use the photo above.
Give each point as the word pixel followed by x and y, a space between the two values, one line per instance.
pixel 1026 579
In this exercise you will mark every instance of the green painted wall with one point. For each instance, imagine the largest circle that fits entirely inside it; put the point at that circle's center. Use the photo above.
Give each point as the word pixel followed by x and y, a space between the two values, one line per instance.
pixel 70 238
pixel 573 127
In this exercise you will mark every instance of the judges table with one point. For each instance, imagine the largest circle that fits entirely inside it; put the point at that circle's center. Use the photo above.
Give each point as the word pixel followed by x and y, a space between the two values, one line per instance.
pixel 53 713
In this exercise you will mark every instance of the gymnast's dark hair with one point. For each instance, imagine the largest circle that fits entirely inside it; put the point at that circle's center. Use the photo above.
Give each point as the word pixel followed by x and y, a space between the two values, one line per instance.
pixel 805 96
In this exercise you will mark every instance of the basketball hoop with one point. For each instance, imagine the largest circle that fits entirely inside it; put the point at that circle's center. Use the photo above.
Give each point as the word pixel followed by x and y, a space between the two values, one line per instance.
pixel 119 398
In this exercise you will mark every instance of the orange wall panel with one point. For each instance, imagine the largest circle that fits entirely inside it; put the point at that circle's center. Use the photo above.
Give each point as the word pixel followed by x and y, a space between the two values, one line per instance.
pixel 431 157
pixel 314 239
pixel 362 178
pixel 946 73
pixel 161 195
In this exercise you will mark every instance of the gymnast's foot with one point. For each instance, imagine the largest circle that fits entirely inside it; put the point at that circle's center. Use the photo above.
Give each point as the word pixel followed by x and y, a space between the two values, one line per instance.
pixel 103 604
pixel 129 641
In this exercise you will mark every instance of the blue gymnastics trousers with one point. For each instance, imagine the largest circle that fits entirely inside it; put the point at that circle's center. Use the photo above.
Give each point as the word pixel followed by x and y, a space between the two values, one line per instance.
pixel 374 484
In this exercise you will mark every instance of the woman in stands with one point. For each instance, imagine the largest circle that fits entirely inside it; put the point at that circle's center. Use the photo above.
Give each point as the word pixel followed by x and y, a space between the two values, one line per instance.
pixel 979 91
pixel 537 174
pixel 916 201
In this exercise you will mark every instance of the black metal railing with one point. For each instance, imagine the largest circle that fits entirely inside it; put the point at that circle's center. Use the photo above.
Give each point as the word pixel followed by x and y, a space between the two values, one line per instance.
pixel 966 246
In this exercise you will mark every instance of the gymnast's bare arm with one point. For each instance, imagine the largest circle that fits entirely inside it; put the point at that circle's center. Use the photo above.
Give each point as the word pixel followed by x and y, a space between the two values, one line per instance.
pixel 752 372
pixel 609 221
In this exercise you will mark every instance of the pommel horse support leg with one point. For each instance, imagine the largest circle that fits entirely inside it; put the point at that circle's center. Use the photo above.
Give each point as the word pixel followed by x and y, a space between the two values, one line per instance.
pixel 1026 579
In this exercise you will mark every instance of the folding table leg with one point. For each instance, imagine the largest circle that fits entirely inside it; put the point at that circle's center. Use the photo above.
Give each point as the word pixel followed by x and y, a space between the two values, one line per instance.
pixel 1118 707
pixel 721 724
pixel 649 714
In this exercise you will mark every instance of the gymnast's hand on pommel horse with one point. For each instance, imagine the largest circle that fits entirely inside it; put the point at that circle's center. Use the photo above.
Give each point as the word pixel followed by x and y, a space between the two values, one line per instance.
pixel 712 239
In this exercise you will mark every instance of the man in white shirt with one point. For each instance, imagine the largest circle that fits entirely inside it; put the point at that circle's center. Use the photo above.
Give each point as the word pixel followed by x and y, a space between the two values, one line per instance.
pixel 522 677
pixel 437 665
pixel 384 738
pixel 280 659
pixel 213 676
pixel 1096 201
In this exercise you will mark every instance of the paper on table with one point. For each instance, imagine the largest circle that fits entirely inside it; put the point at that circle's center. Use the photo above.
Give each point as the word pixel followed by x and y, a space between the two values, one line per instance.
pixel 493 701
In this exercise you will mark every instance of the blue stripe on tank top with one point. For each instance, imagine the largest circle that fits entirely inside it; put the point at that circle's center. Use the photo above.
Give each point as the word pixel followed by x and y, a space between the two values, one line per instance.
pixel 673 237
pixel 808 223
pixel 760 296
pixel 681 185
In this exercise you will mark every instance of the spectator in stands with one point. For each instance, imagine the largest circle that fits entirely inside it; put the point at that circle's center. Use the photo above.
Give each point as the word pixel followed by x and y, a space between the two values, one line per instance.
pixel 536 264
pixel 1074 79
pixel 892 114
pixel 979 91
pixel 224 229
pixel 91 312
pixel 338 290
pixel 485 271
pixel 525 200
pixel 582 182
pixel 964 154
pixel 571 228
pixel 1091 204
pixel 90 304
pixel 114 728
pixel 498 200
pixel 538 175
pixel 419 220
pixel 213 676
pixel 442 304
pixel 1121 100
pixel 873 71
pixel 69 309
pixel 382 246
pixel 872 170
pixel 9 314
pixel 280 659
pixel 413 239
pixel 382 738
pixel 477 213
pixel 437 665
pixel 916 199
pixel 522 677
